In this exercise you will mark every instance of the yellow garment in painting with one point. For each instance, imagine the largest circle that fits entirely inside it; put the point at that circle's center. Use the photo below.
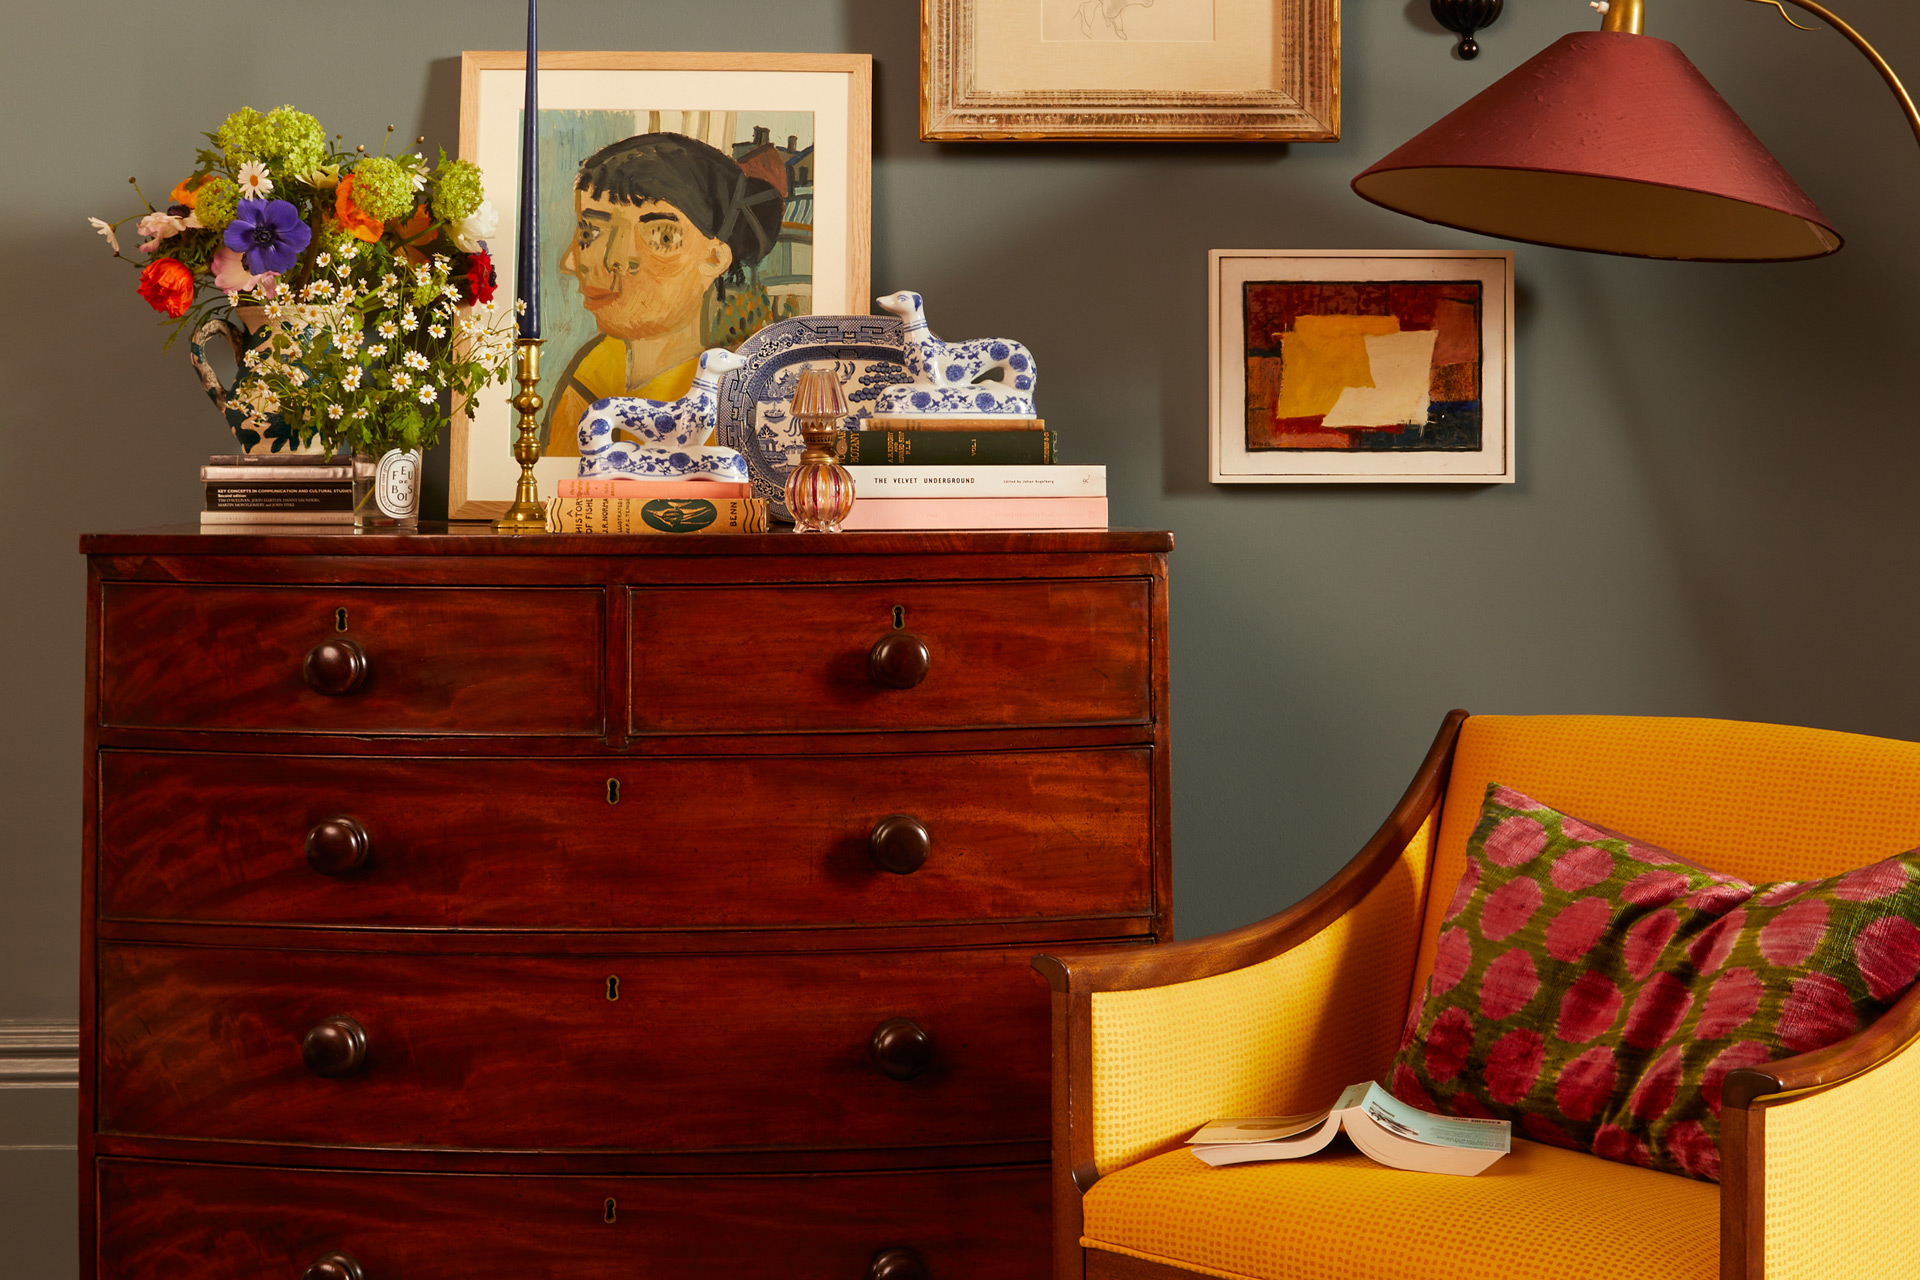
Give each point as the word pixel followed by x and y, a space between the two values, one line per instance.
pixel 599 372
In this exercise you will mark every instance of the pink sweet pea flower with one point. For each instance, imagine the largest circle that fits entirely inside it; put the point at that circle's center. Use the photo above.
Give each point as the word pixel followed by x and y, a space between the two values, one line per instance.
pixel 230 274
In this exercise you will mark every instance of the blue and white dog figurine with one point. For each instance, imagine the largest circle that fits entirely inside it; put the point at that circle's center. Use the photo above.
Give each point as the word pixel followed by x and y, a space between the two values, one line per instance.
pixel 985 378
pixel 671 435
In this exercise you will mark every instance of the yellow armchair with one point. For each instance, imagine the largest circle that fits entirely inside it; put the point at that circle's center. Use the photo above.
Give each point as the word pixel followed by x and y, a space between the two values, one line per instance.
pixel 1277 1017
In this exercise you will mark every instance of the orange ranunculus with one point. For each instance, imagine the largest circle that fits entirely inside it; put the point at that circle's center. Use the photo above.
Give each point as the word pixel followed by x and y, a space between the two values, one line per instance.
pixel 351 217
pixel 415 234
pixel 167 286
pixel 188 191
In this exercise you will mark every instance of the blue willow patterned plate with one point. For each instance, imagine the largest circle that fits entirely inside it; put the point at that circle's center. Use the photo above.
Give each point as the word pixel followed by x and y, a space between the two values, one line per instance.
pixel 867 353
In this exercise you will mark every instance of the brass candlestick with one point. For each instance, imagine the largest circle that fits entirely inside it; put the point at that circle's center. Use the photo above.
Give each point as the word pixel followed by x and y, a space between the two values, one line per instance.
pixel 526 515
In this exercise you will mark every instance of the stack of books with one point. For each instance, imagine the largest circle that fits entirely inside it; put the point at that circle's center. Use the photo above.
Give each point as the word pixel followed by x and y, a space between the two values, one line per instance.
pixel 277 489
pixel 933 473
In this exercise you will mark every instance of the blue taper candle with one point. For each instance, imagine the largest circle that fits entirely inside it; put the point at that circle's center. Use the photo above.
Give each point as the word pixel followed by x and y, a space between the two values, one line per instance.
pixel 528 276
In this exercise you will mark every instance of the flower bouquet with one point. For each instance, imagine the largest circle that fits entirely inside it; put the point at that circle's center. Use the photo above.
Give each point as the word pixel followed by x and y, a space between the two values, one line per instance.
pixel 356 288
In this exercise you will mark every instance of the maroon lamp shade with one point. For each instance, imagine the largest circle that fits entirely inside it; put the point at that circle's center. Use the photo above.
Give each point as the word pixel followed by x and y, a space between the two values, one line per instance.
pixel 1610 142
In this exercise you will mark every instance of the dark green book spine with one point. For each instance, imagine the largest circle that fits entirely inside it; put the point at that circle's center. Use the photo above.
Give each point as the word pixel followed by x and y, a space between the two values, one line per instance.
pixel 945 448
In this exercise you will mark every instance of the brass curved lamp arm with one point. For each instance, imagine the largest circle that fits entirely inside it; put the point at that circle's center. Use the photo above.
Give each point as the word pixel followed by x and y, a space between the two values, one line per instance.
pixel 1630 16
pixel 1859 42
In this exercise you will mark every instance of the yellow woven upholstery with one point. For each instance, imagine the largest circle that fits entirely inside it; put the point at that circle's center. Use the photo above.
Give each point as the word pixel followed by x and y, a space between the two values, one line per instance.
pixel 1763 802
pixel 1540 1212
pixel 1839 1177
pixel 1276 1038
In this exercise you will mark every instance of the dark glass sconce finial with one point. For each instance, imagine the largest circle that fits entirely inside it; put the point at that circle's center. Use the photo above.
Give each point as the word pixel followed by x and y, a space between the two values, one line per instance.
pixel 1464 17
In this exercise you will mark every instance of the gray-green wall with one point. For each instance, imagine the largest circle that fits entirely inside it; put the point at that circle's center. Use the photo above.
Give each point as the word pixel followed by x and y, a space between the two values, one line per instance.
pixel 1714 514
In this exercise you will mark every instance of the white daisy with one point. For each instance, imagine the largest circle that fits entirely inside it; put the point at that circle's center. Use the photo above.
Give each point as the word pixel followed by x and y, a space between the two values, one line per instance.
pixel 334 411
pixel 388 329
pixel 414 360
pixel 325 259
pixel 254 182
pixel 409 321
pixel 402 379
pixel 377 350
pixel 351 379
pixel 436 331
pixel 427 393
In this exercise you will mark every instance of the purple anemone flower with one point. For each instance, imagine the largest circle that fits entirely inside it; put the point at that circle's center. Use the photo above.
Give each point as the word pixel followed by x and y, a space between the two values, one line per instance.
pixel 268 235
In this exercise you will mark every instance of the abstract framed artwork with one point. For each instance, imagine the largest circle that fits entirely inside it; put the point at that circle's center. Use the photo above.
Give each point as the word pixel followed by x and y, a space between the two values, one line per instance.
pixel 1364 366
pixel 1130 70
pixel 687 200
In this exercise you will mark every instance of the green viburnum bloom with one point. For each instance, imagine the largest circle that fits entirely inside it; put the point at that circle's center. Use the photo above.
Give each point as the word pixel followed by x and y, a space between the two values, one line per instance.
pixel 238 136
pixel 294 142
pixel 285 140
pixel 456 190
pixel 216 203
pixel 382 188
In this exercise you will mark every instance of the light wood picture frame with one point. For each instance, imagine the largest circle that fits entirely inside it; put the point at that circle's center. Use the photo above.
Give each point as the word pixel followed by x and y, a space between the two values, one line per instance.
pixel 1363 366
pixel 1130 70
pixel 802 123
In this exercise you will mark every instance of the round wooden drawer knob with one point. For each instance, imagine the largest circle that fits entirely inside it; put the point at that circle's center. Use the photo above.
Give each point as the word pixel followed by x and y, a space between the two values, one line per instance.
pixel 335 1047
pixel 335 1266
pixel 899 843
pixel 336 667
pixel 898 661
pixel 897 1264
pixel 900 1048
pixel 337 846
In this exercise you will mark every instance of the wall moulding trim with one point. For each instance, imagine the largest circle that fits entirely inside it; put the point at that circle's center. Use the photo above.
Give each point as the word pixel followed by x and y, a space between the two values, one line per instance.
pixel 39 1055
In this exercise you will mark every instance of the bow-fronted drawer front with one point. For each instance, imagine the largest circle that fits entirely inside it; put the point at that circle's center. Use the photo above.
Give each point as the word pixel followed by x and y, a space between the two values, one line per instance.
pixel 613 1052
pixel 638 844
pixel 353 660
pixel 945 655
pixel 253 1224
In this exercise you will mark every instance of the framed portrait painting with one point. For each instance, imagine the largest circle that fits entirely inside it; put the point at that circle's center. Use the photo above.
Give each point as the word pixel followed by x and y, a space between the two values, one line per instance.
pixel 1370 366
pixel 1130 70
pixel 687 201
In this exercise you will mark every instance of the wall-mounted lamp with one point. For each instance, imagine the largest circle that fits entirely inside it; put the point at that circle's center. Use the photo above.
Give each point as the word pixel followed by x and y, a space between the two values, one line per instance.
pixel 1463 18
pixel 1611 141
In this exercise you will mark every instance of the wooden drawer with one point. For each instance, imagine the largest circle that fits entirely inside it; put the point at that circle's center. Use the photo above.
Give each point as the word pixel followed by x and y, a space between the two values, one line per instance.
pixel 734 842
pixel 506 1052
pixel 218 1222
pixel 436 660
pixel 800 658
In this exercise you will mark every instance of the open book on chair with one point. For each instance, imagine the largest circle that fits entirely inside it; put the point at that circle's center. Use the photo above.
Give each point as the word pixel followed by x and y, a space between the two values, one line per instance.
pixel 1381 1125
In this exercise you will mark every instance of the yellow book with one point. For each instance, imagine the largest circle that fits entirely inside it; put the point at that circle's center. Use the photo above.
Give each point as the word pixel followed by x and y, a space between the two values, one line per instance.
pixel 656 515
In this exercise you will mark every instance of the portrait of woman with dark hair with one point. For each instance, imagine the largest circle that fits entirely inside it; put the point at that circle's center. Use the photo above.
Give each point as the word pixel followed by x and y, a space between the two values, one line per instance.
pixel 664 228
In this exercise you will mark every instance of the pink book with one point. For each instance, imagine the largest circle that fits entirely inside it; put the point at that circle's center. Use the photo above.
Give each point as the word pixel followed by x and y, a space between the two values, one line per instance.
pixel 977 513
pixel 624 487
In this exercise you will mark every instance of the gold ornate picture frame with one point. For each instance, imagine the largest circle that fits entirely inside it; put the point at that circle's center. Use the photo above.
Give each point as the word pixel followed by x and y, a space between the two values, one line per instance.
pixel 802 123
pixel 1130 70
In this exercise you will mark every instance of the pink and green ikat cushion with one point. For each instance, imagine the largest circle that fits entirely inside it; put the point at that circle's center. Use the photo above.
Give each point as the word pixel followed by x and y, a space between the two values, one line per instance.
pixel 1596 991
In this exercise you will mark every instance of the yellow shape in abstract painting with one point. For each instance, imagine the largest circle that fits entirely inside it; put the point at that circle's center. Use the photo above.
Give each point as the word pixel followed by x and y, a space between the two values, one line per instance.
pixel 1324 356
pixel 1396 396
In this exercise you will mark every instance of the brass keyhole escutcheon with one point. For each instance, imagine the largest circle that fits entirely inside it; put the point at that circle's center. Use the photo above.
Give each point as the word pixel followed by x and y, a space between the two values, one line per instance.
pixel 340 619
pixel 613 993
pixel 899 617
pixel 613 791
pixel 612 1209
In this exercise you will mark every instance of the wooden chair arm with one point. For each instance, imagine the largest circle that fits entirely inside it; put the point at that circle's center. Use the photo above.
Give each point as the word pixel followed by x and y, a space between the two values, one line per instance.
pixel 1865 1049
pixel 1077 977
pixel 1132 968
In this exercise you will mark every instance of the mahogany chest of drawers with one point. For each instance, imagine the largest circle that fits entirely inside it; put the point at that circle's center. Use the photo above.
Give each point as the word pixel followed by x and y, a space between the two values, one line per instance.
pixel 594 907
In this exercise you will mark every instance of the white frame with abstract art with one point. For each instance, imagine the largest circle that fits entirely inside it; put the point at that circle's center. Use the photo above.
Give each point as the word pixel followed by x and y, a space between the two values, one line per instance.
pixel 699 94
pixel 1451 422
